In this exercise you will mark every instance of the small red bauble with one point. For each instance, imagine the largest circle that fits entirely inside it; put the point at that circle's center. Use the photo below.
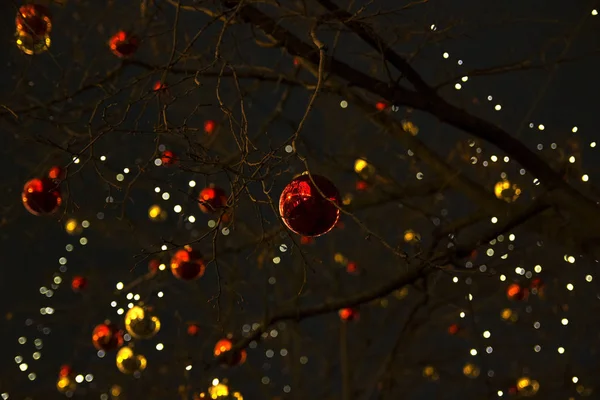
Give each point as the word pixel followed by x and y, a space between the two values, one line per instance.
pixel 209 126
pixel 212 199
pixel 56 173
pixel 381 106
pixel 187 264
pixel 453 329
pixel 361 185
pixel 304 211
pixel 516 292
pixel 65 370
pixel 123 44
pixel 348 314
pixel 352 268
pixel 41 196
pixel 236 358
pixel 78 283
pixel 33 20
pixel 168 158
pixel 107 337
pixel 193 329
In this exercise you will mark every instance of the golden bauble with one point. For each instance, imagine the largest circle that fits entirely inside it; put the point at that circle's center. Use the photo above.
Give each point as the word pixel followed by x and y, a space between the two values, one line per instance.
pixel 140 323
pixel 129 362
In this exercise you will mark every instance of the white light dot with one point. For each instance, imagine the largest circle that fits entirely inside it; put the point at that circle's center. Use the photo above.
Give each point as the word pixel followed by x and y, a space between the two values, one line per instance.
pixel 473 352
pixel 594 12
pixel 593 144
pixel 572 159
pixel 343 104
pixel 487 334
pixel 289 148
pixel 537 268
pixel 500 393
pixel 192 219
pixel 497 107
pixel 89 377
pixel 585 178
pixel 120 286
pixel 177 208
pixel 102 158
pixel 575 379
pixel 465 78
pixel 494 220
pixel 126 170
pixel 188 368
pixel 570 287
pixel 541 127
pixel 561 350
pixel 120 311
pixel 160 294
pixel 192 183
pixel 458 86
pixel 502 277
pixel 159 346
pixel 462 314
pixel 564 321
pixel 157 189
pixel 588 278
pixel 23 367
pixel 445 55
pixel 120 177
pixel 166 196
pixel 276 260
pixel 79 378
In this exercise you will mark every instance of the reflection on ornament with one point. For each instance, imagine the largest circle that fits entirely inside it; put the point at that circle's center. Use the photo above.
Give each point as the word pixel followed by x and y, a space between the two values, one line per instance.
pixel 33 20
pixel 516 292
pixel 66 384
pixel 211 199
pixel 156 213
pixel 78 283
pixel 527 387
pixel 140 323
pixel 430 373
pixel 168 158
pixel 471 371
pixel 223 346
pixel 209 126
pixel 31 45
pixel 123 44
pixel 129 362
pixel 41 196
pixel 509 192
pixel 107 337
pixel 411 236
pixel 220 391
pixel 187 264
pixel 304 210
pixel 72 227
pixel 348 314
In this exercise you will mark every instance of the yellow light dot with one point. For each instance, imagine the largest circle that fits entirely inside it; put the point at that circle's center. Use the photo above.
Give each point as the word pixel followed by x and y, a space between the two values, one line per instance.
pixel 594 12
pixel 585 178
pixel 541 127
pixel 572 159
pixel 487 334
pixel 473 352
pixel 561 350
pixel 359 165
pixel 570 287
pixel 564 321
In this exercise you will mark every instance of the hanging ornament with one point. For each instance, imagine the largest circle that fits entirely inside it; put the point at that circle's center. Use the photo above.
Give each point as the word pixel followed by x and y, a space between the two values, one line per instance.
pixel 222 347
pixel 211 199
pixel 187 264
pixel 348 314
pixel 78 283
pixel 516 292
pixel 220 391
pixel 140 323
pixel 168 158
pixel 107 337
pixel 33 20
pixel 209 126
pixel 123 44
pixel 304 210
pixel 41 196
pixel 129 362
pixel 507 191
pixel 527 387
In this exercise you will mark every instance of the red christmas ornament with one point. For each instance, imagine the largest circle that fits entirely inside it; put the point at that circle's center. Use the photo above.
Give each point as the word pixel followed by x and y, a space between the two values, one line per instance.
pixel 352 268
pixel 159 86
pixel 78 283
pixel 237 358
pixel 168 158
pixel 107 337
pixel 212 199
pixel 153 266
pixel 381 106
pixel 187 264
pixel 516 292
pixel 193 329
pixel 304 211
pixel 41 196
pixel 348 314
pixel 65 370
pixel 56 173
pixel 33 20
pixel 209 126
pixel 453 329
pixel 123 44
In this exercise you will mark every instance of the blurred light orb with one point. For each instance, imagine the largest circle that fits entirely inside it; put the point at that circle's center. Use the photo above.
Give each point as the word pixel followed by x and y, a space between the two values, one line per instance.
pixel 193 329
pixel 507 191
pixel 32 45
pixel 527 387
pixel 209 126
pixel 187 264
pixel 348 314
pixel 129 362
pixel 123 44
pixel 41 196
pixel 156 213
pixel 211 199
pixel 140 323
pixel 33 20
pixel 411 236
pixel 65 370
pixel 56 173
pixel 72 227
pixel 516 292
pixel 220 391
pixel 224 346
pixel 305 211
pixel 66 384
pixel 471 371
pixel 168 158
pixel 78 283
pixel 107 337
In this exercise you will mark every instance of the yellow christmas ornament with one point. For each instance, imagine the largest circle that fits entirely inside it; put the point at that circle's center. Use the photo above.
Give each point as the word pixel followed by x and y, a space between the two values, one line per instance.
pixel 140 323
pixel 129 362
pixel 507 191
pixel 527 387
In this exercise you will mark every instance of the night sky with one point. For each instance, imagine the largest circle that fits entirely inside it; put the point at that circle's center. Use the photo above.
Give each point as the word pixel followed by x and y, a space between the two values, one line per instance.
pixel 527 67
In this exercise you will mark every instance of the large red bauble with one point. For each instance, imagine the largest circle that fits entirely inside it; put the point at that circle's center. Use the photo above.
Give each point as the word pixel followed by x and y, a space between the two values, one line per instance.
pixel 223 346
pixel 304 211
pixel 107 337
pixel 211 199
pixel 41 196
pixel 187 264
pixel 123 44
pixel 33 20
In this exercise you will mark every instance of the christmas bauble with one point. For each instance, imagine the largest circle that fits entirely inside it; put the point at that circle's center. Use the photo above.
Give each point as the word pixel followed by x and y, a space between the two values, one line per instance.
pixel 123 44
pixel 187 264
pixel 141 323
pixel 130 362
pixel 33 20
pixel 211 199
pixel 209 126
pixel 78 283
pixel 107 337
pixel 223 346
pixel 516 292
pixel 507 191
pixel 304 210
pixel 41 196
